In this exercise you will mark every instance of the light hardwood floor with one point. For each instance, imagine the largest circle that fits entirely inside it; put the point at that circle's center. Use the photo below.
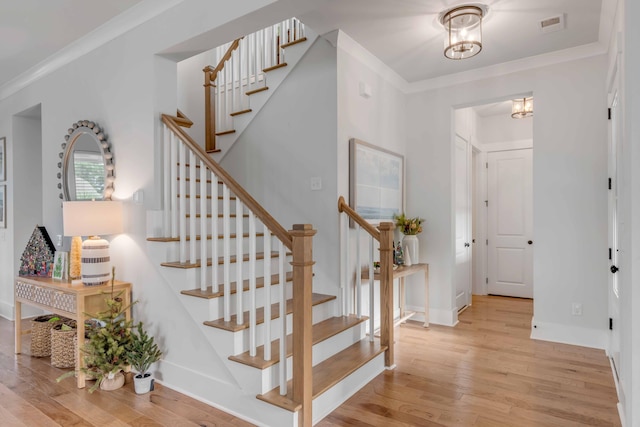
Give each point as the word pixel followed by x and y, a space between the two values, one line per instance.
pixel 484 372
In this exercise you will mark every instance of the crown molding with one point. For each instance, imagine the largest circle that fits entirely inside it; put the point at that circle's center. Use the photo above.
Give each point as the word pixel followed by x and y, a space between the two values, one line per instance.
pixel 120 24
pixel 531 62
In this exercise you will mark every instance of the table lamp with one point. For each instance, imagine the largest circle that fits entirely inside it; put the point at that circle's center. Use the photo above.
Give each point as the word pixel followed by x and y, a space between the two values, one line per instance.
pixel 91 219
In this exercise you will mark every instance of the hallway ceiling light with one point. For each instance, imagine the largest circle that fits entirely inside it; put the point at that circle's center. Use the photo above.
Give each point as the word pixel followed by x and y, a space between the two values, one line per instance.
pixel 522 107
pixel 463 25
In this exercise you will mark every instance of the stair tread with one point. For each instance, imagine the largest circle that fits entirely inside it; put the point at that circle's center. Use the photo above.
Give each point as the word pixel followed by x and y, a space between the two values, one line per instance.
pixel 233 326
pixel 188 196
pixel 219 215
pixel 274 67
pixel 321 331
pixel 237 113
pixel 300 40
pixel 329 372
pixel 209 293
pixel 254 91
pixel 198 237
pixel 197 264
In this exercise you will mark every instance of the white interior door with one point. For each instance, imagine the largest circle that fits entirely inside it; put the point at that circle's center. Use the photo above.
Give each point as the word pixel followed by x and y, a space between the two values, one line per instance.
pixel 510 223
pixel 463 223
pixel 614 232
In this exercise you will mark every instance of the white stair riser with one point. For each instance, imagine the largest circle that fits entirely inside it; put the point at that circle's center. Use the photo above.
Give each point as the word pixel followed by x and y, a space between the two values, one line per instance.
pixel 264 380
pixel 173 248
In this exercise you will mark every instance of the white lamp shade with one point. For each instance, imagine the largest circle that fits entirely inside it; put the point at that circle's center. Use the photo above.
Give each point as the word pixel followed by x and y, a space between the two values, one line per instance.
pixel 92 218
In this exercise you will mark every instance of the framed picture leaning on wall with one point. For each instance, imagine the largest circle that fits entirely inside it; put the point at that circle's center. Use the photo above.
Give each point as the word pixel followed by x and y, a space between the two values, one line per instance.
pixel 376 182
pixel 3 159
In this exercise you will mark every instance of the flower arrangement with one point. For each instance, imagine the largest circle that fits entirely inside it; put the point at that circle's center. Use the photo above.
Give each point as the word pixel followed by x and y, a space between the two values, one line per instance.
pixel 408 226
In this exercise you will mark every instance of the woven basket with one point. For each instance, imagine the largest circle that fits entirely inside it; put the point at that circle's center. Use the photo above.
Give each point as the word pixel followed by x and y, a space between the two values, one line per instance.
pixel 63 349
pixel 41 335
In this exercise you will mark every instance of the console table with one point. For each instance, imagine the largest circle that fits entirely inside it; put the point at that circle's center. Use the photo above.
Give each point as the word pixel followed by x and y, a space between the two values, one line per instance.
pixel 68 299
pixel 400 273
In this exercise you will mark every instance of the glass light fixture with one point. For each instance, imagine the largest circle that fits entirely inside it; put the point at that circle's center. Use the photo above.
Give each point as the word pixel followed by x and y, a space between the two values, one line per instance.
pixel 463 25
pixel 522 107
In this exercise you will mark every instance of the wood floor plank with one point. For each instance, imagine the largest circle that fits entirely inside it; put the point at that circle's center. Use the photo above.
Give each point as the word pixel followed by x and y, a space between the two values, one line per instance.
pixel 487 371
pixel 85 409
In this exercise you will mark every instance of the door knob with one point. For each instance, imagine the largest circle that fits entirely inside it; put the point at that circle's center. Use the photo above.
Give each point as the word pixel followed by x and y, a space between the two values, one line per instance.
pixel 614 269
pixel 530 242
pixel 466 245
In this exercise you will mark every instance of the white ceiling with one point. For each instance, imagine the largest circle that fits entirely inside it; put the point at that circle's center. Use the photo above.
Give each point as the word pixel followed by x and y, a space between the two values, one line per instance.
pixel 404 34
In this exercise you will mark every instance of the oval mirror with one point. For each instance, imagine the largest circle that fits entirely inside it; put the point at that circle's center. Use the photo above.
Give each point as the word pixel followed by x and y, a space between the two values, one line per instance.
pixel 86 166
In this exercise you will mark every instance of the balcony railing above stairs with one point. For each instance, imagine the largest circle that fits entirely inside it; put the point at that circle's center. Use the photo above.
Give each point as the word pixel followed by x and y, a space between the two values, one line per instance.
pixel 241 71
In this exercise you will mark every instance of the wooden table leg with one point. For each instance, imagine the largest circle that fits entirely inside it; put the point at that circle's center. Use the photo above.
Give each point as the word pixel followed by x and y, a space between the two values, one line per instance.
pixel 18 327
pixel 80 335
pixel 426 296
pixel 402 298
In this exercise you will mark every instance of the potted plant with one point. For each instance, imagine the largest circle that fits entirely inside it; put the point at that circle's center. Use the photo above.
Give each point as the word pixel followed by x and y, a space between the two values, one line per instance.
pixel 105 351
pixel 410 228
pixel 142 352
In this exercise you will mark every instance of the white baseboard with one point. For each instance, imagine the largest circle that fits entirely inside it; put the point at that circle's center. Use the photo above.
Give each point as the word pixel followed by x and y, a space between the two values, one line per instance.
pixel 436 316
pixel 222 395
pixel 574 335
pixel 6 310
pixel 623 422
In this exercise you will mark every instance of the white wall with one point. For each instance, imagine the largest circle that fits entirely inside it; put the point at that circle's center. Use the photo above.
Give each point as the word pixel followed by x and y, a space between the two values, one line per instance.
pixel 290 141
pixel 570 211
pixel 503 128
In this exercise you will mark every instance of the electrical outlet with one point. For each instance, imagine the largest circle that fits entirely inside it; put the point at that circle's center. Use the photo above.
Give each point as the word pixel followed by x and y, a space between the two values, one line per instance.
pixel 576 309
pixel 58 239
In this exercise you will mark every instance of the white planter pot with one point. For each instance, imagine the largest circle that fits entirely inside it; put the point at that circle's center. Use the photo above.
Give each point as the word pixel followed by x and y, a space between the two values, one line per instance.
pixel 412 247
pixel 143 383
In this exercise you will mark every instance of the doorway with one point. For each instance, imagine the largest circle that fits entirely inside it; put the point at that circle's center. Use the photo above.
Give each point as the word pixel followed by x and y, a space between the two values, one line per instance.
pixel 500 203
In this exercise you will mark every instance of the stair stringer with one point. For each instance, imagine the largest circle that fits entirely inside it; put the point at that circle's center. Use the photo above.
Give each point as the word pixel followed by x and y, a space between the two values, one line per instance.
pixel 293 55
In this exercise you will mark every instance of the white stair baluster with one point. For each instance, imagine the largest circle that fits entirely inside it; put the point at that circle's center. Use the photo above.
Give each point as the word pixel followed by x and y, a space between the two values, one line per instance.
pixel 267 293
pixel 166 175
pixel 239 259
pixel 343 236
pixel 192 208
pixel 174 186
pixel 182 210
pixel 226 226
pixel 203 226
pixel 358 275
pixel 282 300
pixel 214 233
pixel 252 284
pixel 371 291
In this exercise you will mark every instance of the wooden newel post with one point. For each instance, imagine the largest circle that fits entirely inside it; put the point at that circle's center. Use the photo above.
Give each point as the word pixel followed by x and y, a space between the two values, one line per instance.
pixel 302 248
pixel 386 291
pixel 209 109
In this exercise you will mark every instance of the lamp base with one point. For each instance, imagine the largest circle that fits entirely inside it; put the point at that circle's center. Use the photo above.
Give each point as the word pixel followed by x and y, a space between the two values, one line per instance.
pixel 96 262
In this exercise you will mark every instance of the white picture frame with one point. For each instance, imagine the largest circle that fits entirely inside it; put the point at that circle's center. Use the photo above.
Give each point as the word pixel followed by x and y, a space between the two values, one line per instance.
pixel 376 182
pixel 59 271
pixel 3 206
pixel 3 159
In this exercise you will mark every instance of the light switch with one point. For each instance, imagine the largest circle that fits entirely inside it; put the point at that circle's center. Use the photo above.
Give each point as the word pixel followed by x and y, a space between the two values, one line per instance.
pixel 316 183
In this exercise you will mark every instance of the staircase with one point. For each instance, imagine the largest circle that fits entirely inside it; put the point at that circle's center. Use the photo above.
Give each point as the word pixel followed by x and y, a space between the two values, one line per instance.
pixel 248 70
pixel 247 283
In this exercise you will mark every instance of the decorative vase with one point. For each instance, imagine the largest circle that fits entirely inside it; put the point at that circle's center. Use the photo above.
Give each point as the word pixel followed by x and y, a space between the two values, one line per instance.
pixel 143 383
pixel 410 242
pixel 112 382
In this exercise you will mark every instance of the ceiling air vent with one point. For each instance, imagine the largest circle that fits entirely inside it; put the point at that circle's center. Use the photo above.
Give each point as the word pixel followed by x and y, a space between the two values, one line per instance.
pixel 552 24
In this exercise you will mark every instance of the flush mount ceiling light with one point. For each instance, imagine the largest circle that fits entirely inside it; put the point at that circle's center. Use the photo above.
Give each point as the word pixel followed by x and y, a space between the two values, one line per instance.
pixel 463 25
pixel 522 107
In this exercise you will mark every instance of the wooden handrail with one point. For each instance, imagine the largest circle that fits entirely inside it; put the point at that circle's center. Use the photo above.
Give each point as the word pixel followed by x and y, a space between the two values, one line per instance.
pixel 225 58
pixel 210 75
pixel 345 208
pixel 255 207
